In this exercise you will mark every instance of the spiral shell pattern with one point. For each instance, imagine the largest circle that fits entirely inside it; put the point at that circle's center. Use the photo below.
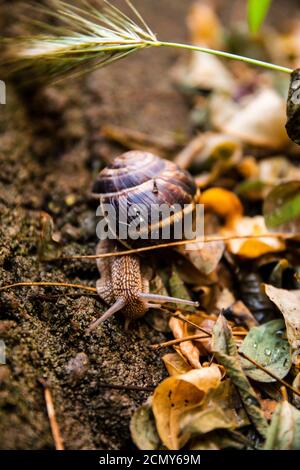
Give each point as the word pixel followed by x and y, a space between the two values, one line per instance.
pixel 141 180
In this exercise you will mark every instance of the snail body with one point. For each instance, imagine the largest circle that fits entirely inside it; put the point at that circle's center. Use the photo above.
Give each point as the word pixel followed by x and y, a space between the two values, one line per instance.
pixel 137 179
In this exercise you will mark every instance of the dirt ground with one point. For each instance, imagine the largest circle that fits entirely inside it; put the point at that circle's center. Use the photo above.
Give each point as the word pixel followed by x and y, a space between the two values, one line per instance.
pixel 50 151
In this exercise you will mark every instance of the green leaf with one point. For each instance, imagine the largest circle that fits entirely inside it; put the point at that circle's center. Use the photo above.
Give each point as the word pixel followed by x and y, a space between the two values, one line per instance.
pixel 226 353
pixel 267 346
pixel 257 11
pixel 178 289
pixel 282 208
pixel 143 429
pixel 284 431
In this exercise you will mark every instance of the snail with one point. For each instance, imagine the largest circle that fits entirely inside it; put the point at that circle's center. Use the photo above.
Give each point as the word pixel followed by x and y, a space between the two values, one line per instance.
pixel 131 186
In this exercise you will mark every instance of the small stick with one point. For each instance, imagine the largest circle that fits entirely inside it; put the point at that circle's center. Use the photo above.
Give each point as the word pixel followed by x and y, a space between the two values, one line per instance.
pixel 181 317
pixel 187 155
pixel 259 366
pixel 208 239
pixel 127 387
pixel 177 341
pixel 58 441
pixel 284 393
pixel 47 284
pixel 133 139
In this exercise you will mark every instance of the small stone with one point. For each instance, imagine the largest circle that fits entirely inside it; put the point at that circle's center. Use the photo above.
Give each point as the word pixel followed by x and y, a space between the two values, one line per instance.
pixel 77 366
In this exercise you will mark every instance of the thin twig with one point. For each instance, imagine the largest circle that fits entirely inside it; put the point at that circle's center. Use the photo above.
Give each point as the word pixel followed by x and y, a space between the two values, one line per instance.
pixel 126 387
pixel 166 344
pixel 137 140
pixel 58 441
pixel 284 393
pixel 207 239
pixel 47 284
pixel 182 318
pixel 259 366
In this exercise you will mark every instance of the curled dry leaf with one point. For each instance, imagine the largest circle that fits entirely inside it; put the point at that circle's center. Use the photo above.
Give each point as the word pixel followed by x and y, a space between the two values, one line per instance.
pixel 288 302
pixel 251 247
pixel 174 395
pixel 187 348
pixel 267 346
pixel 143 429
pixel 218 153
pixel 221 409
pixel 226 354
pixel 282 208
pixel 219 439
pixel 223 202
pixel 259 120
pixel 205 257
pixel 284 431
pixel 176 364
pixel 203 72
pixel 241 314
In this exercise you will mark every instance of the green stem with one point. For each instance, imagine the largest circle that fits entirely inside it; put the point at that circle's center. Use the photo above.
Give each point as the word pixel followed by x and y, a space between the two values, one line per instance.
pixel 228 55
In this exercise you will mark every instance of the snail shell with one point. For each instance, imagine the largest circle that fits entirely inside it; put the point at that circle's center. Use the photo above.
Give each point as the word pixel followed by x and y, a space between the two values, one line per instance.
pixel 139 179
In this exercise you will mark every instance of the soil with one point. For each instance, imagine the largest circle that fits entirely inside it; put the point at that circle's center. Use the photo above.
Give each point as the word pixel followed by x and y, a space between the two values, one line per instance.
pixel 51 149
pixel 50 152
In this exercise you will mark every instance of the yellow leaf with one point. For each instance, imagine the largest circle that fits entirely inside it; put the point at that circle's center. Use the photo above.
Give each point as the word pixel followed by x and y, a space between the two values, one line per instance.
pixel 187 348
pixel 223 202
pixel 251 247
pixel 174 395
pixel 175 364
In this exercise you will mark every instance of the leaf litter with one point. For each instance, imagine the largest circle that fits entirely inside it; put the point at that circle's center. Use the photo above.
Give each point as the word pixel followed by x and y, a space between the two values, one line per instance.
pixel 226 382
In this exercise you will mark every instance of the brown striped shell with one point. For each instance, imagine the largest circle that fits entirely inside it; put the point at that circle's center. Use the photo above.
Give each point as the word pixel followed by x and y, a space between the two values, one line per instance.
pixel 139 179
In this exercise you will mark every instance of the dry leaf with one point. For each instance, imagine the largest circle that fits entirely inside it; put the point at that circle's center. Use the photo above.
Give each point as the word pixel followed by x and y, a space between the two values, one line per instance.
pixel 219 439
pixel 187 348
pixel 223 202
pixel 259 120
pixel 174 395
pixel 203 72
pixel 251 247
pixel 142 428
pixel 175 364
pixel 204 25
pixel 221 409
pixel 226 353
pixel 206 258
pixel 241 314
pixel 288 302
pixel 284 431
